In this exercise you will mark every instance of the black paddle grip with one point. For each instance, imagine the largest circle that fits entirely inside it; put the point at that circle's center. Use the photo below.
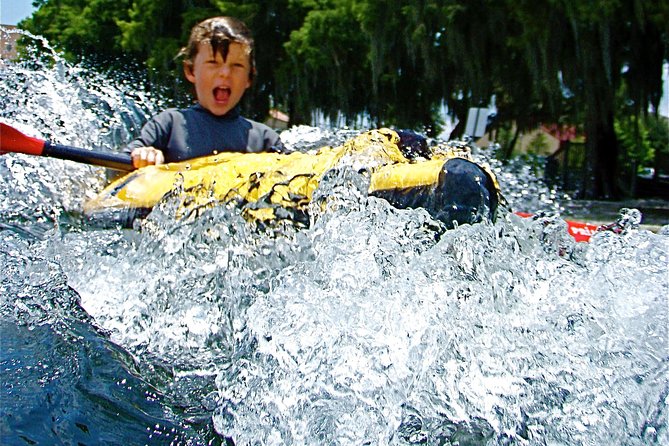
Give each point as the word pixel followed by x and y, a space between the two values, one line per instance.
pixel 118 161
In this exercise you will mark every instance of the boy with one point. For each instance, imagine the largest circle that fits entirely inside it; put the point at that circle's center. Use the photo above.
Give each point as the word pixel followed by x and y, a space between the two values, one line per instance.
pixel 219 62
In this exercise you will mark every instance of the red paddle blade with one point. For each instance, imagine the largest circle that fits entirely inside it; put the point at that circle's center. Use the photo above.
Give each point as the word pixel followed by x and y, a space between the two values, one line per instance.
pixel 11 140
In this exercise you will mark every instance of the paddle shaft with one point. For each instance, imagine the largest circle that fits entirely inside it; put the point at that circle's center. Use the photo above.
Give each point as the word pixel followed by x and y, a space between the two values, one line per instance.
pixel 118 161
pixel 12 140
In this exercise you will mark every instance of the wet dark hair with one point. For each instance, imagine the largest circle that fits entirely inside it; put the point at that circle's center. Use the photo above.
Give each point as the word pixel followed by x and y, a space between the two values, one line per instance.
pixel 220 32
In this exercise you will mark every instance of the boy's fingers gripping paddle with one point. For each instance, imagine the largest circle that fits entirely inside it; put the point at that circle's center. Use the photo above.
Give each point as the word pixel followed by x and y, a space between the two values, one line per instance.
pixel 12 140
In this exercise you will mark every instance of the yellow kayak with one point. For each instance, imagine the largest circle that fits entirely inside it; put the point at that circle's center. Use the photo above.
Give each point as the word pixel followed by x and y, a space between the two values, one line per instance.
pixel 448 184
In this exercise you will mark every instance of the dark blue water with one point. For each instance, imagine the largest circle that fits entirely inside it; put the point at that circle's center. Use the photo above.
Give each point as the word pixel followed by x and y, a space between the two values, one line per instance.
pixel 63 381
pixel 372 326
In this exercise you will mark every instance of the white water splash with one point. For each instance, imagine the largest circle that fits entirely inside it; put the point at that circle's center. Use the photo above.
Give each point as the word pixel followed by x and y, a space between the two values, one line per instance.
pixel 369 327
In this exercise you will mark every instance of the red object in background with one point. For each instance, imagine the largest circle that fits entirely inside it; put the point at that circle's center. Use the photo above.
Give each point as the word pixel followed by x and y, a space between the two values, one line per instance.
pixel 579 230
pixel 561 132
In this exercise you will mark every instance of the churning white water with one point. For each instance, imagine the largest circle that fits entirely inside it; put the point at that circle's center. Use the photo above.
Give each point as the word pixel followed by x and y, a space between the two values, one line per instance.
pixel 372 326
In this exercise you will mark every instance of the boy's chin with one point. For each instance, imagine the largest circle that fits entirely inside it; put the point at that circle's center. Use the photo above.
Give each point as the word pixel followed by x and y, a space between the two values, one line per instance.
pixel 217 109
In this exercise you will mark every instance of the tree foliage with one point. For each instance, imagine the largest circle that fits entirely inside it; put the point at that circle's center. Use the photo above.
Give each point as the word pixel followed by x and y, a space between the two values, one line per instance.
pixel 398 61
pixel 81 28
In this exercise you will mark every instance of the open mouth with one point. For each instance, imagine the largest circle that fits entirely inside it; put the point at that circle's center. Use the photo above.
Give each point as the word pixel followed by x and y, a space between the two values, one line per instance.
pixel 221 94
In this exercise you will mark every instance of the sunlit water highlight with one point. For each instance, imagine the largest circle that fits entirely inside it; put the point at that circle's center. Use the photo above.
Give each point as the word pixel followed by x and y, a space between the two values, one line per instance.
pixel 370 327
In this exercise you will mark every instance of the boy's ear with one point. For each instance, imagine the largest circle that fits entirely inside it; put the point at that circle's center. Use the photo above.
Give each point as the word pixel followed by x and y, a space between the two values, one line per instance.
pixel 188 71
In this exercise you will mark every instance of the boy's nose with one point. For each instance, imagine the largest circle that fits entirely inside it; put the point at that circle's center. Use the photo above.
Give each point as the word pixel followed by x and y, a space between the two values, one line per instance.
pixel 225 70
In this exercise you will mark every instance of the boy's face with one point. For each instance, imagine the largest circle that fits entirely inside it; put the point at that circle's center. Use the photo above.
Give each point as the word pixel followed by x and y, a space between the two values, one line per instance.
pixel 220 84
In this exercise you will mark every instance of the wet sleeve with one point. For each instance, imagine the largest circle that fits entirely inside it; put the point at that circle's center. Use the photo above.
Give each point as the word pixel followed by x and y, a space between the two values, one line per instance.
pixel 272 142
pixel 276 145
pixel 156 133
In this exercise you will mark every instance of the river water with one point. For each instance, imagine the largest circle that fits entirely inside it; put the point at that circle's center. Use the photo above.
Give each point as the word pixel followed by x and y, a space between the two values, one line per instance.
pixel 371 326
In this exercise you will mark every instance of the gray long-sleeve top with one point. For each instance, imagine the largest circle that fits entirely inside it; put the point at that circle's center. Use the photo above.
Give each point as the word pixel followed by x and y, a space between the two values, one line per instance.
pixel 193 132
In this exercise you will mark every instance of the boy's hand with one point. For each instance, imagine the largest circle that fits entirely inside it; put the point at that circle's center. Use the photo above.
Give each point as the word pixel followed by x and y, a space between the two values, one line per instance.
pixel 145 156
